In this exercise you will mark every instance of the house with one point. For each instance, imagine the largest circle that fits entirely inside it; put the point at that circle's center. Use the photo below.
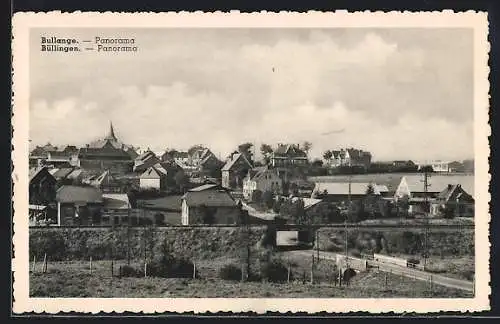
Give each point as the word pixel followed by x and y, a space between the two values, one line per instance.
pixel 181 157
pixel 78 205
pixel 349 157
pixel 343 191
pixel 412 187
pixel 145 161
pixel 289 155
pixel 234 171
pixel 42 187
pixel 63 157
pixel 454 200
pixel 116 210
pixel 161 210
pixel 107 154
pixel 437 166
pixel 263 179
pixel 209 204
pixel 154 177
pixel 39 155
pixel 404 166
pixel 210 166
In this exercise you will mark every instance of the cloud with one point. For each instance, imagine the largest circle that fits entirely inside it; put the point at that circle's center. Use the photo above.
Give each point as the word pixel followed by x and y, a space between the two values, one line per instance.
pixel 223 88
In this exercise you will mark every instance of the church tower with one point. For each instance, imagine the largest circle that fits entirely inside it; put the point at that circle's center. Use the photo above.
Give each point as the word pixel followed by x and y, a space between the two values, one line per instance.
pixel 111 134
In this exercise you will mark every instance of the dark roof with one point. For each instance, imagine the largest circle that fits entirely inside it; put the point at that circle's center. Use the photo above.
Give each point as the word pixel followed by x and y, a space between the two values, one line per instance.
pixel 74 194
pixel 36 172
pixel 290 150
pixel 172 203
pixel 209 198
pixel 232 161
pixel 62 173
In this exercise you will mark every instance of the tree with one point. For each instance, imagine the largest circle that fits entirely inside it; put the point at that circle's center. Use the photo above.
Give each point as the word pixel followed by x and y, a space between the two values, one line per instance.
pixel 306 146
pixel 266 151
pixel 427 168
pixel 195 148
pixel 181 180
pixel 327 155
pixel 246 150
pixel 317 163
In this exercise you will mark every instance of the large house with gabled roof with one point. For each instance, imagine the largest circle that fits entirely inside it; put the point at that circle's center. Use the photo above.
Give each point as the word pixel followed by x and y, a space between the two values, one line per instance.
pixel 107 153
pixel 288 155
pixel 235 170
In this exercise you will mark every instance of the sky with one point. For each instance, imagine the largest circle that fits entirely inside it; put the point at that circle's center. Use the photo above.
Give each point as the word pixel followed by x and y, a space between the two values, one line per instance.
pixel 398 93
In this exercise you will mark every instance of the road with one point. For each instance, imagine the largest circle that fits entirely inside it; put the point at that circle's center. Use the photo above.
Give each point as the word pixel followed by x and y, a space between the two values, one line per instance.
pixel 398 270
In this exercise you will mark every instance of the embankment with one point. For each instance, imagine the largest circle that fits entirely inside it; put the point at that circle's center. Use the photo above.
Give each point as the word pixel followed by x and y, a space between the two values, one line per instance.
pixel 119 243
pixel 394 241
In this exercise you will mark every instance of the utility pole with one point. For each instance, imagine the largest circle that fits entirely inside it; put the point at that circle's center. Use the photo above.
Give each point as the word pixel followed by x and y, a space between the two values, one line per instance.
pixel 345 230
pixel 426 215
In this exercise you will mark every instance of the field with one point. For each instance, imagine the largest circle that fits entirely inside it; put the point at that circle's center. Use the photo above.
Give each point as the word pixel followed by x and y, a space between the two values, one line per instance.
pixel 73 279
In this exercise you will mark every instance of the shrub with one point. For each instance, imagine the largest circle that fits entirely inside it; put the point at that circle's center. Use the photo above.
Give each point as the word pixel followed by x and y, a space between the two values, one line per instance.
pixel 230 272
pixel 51 242
pixel 129 271
pixel 274 271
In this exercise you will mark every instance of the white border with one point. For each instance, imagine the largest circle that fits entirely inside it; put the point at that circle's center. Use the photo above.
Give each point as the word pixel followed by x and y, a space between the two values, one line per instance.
pixel 22 22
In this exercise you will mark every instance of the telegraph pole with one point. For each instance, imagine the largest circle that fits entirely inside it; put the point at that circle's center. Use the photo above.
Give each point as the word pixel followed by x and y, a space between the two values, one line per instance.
pixel 426 215
pixel 348 213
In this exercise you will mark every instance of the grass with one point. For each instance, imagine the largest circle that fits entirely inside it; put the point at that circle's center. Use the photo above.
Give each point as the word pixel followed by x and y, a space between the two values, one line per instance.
pixel 73 279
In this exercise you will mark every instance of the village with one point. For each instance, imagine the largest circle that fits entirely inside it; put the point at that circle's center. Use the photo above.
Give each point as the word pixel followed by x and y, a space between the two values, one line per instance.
pixel 109 183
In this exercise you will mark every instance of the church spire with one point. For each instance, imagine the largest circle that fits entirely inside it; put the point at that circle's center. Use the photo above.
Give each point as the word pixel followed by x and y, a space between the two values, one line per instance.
pixel 111 134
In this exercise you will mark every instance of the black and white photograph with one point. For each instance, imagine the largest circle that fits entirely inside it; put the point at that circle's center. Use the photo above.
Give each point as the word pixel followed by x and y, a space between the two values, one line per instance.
pixel 283 161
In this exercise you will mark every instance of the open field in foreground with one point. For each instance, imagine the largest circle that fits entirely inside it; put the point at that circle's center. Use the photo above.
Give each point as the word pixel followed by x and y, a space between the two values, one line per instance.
pixel 73 279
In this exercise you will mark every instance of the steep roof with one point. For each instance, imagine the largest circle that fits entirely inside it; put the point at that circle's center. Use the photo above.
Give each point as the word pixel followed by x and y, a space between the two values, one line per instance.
pixel 36 172
pixel 62 173
pixel 78 194
pixel 154 172
pixel 342 188
pixel 75 174
pixel 209 198
pixel 452 192
pixel 289 150
pixel 308 202
pixel 232 161
pixel 203 187
pixel 438 182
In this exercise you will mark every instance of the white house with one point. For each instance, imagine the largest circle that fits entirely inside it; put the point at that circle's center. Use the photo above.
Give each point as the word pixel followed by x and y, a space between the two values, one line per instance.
pixel 262 179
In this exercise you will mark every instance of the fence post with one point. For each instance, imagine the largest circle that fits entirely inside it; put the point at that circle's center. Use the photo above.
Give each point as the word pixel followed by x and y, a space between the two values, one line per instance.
pixel 90 265
pixel 312 270
pixel 34 263
pixel 288 275
pixel 112 268
pixel 145 269
pixel 386 281
pixel 44 270
pixel 194 270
